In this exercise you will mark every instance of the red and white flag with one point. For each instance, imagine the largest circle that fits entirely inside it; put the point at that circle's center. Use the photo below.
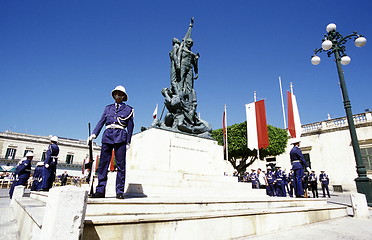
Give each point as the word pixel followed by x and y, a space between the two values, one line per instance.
pixel 294 123
pixel 224 135
pixel 155 113
pixel 257 135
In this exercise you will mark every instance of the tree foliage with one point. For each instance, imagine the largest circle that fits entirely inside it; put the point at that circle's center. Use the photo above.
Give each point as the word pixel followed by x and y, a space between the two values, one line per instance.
pixel 240 156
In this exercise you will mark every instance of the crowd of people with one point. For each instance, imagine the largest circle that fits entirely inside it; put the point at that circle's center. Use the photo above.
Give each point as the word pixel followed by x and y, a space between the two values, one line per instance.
pixel 44 174
pixel 297 183
pixel 280 184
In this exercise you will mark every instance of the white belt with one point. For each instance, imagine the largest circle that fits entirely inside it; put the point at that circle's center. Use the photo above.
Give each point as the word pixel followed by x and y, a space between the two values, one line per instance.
pixel 114 126
pixel 296 161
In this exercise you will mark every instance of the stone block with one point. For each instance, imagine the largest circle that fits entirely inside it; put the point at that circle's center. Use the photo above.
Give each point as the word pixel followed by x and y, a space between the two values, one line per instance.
pixel 17 193
pixel 64 214
pixel 359 205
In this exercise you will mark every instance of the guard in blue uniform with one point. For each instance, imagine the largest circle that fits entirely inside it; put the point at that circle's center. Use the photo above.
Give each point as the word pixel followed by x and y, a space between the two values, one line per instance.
pixel 37 178
pixel 279 182
pixel 285 180
pixel 254 178
pixel 270 178
pixel 324 179
pixel 22 173
pixel 291 183
pixel 298 164
pixel 118 120
pixel 50 164
pixel 313 182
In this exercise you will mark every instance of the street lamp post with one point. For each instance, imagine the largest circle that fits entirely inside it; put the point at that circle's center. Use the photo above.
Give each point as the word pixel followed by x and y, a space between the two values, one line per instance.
pixel 333 43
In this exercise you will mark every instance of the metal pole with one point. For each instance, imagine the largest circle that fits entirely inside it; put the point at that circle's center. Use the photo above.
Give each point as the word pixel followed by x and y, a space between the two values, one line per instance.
pixel 281 95
pixel 363 183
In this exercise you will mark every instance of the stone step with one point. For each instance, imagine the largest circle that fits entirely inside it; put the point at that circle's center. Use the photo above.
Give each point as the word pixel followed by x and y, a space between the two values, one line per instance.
pixel 143 206
pixel 173 218
pixel 223 224
pixel 174 183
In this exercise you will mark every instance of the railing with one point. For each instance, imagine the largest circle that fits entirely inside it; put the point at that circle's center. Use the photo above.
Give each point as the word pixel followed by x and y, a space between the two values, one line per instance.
pixel 336 123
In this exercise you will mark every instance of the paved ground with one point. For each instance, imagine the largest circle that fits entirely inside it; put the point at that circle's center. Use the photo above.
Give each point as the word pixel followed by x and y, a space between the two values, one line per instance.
pixel 343 228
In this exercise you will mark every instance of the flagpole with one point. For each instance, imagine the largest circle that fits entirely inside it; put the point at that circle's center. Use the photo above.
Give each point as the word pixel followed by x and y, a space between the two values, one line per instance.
pixel 281 95
pixel 227 145
pixel 255 100
pixel 291 87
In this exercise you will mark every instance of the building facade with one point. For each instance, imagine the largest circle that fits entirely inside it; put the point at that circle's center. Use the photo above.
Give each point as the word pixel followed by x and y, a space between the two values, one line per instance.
pixel 73 152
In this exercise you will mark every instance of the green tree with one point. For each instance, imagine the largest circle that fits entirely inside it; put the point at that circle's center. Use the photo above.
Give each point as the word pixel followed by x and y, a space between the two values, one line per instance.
pixel 240 156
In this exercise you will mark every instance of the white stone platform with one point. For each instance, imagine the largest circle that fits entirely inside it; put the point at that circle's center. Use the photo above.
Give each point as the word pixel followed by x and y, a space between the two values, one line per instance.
pixel 177 217
pixel 166 163
pixel 187 197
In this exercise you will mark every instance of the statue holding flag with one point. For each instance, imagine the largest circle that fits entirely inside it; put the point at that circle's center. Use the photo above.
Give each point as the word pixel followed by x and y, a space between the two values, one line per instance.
pixel 180 98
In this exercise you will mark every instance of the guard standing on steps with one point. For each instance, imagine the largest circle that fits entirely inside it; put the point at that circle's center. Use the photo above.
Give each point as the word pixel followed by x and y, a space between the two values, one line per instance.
pixel 279 182
pixel 254 178
pixel 270 179
pixel 118 120
pixel 22 173
pixel 50 164
pixel 324 179
pixel 298 164
pixel 37 178
pixel 313 181
pixel 291 182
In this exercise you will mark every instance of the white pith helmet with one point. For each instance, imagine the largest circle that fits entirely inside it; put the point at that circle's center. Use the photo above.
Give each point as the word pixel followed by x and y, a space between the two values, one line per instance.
pixel 29 154
pixel 121 89
pixel 295 140
pixel 54 139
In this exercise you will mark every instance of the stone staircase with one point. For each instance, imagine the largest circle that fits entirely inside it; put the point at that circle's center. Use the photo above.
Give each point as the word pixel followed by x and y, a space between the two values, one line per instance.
pixel 180 217
pixel 226 217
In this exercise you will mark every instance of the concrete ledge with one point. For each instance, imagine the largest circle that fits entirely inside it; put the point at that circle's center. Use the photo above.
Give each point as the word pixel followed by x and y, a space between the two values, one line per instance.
pixel 112 206
pixel 206 225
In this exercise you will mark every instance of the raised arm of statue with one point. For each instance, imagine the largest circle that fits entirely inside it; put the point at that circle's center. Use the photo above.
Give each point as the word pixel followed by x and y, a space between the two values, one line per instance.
pixel 188 33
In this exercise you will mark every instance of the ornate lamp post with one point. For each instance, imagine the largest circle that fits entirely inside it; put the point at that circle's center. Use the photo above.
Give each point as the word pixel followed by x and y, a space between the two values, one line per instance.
pixel 333 43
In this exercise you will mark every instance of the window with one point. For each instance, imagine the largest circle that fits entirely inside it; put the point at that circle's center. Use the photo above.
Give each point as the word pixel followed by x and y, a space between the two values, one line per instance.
pixel 69 158
pixel 10 153
pixel 367 157
pixel 307 158
pixel 43 156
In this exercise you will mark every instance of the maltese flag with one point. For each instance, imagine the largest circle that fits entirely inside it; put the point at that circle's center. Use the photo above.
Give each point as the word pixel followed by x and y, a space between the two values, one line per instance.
pixel 294 123
pixel 155 113
pixel 257 135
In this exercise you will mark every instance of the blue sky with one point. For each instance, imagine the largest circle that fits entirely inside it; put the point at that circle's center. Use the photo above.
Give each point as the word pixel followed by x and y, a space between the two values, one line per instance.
pixel 59 60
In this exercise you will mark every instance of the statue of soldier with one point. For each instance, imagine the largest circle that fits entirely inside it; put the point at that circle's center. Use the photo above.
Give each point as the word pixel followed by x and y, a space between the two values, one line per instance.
pixel 175 69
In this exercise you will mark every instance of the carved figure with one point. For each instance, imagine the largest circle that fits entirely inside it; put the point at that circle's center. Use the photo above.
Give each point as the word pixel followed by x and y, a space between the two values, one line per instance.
pixel 180 98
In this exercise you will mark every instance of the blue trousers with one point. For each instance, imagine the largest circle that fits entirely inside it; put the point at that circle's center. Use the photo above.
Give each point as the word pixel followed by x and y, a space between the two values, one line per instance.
pixel 104 163
pixel 270 188
pixel 49 175
pixel 297 182
pixel 280 189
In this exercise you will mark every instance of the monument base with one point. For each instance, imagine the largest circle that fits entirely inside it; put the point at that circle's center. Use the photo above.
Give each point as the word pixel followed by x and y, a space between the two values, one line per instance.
pixel 165 163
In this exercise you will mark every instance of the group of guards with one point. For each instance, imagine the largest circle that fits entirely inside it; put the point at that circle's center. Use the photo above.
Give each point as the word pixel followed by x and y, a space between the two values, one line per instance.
pixel 44 173
pixel 278 183
pixel 296 183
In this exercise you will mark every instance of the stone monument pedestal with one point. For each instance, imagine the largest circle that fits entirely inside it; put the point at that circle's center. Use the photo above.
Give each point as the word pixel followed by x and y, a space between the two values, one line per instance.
pixel 165 163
